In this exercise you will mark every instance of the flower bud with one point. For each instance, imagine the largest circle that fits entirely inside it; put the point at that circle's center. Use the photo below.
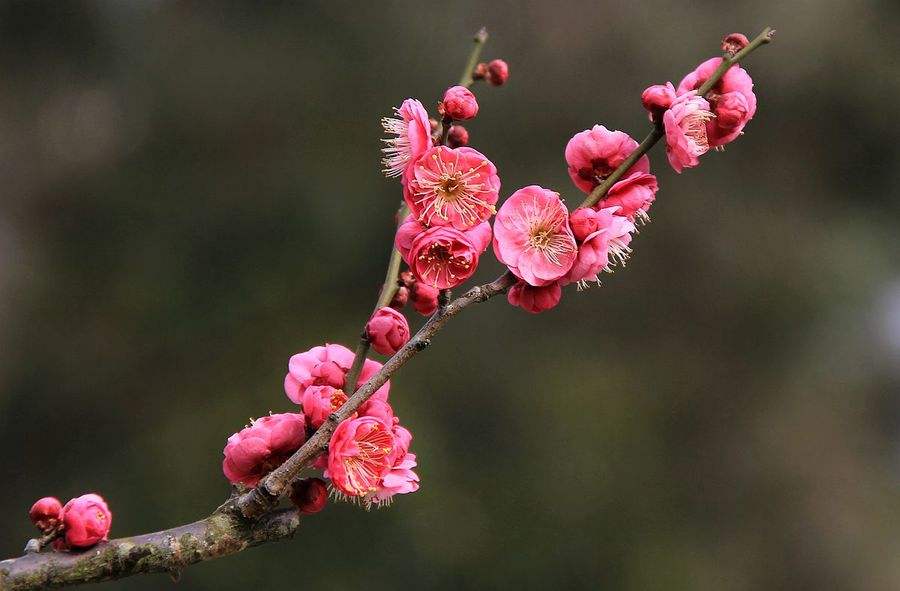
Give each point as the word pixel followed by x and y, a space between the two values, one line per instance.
pixel 480 72
pixel 457 137
pixel 406 278
pixel 387 330
pixel 401 296
pixel 734 42
pixel 310 495
pixel 534 299
pixel 731 110
pixel 424 298
pixel 87 520
pixel 658 97
pixel 498 73
pixel 459 103
pixel 45 514
pixel 583 222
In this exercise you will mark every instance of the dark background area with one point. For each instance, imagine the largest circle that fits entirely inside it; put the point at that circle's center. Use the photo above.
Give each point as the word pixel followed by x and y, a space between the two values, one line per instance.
pixel 191 193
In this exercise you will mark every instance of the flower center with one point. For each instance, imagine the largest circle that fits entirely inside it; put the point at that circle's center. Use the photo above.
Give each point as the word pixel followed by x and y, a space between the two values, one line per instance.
pixel 338 398
pixel 445 187
pixel 364 469
pixel 694 127
pixel 438 261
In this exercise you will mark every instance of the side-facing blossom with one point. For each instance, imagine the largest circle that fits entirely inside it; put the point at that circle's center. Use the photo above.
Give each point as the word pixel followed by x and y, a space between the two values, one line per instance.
pixel 593 154
pixel 731 99
pixel 441 256
pixel 532 236
pixel 358 455
pixel 87 520
pixel 658 98
pixel 412 137
pixel 399 479
pixel 326 365
pixel 320 401
pixel 633 195
pixel 603 238
pixel 254 451
pixel 387 330
pixel 686 131
pixel 452 187
pixel 534 299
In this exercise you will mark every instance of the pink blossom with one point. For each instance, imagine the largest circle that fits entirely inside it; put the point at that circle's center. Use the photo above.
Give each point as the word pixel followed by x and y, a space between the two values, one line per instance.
pixel 452 187
pixel 602 235
pixel 633 195
pixel 320 401
pixel 358 455
pixel 497 72
pixel 400 478
pixel 413 136
pixel 87 520
pixel 459 103
pixel 458 136
pixel 387 330
pixel 732 113
pixel 326 366
pixel 657 98
pixel 593 154
pixel 534 299
pixel 686 127
pixel 441 257
pixel 310 495
pixel 424 298
pixel 532 236
pixel 45 513
pixel 258 449
pixel 378 409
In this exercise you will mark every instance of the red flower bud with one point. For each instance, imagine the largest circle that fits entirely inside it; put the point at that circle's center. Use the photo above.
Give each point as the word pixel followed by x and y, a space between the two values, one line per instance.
pixel 424 298
pixel 498 73
pixel 406 278
pixel 87 521
pixel 480 72
pixel 45 514
pixel 734 42
pixel 458 137
pixel 401 296
pixel 387 330
pixel 459 103
pixel 310 495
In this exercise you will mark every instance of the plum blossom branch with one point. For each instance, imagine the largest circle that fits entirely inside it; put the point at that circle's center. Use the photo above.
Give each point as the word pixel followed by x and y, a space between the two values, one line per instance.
pixel 657 133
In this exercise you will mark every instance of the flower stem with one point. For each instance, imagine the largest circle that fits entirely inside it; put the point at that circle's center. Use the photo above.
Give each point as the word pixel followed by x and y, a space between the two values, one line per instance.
pixel 654 136
pixel 480 39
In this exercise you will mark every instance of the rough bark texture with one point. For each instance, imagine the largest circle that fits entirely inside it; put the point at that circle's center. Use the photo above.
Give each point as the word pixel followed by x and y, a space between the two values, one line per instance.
pixel 168 551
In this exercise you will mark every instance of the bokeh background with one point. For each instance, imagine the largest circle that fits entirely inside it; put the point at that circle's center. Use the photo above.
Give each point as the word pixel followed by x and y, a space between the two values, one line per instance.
pixel 191 194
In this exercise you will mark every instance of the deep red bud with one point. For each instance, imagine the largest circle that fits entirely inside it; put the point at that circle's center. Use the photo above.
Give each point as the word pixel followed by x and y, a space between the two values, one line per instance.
pixel 45 514
pixel 407 279
pixel 459 103
pixel 498 73
pixel 480 72
pixel 734 42
pixel 401 296
pixel 424 298
pixel 310 495
pixel 583 222
pixel 458 137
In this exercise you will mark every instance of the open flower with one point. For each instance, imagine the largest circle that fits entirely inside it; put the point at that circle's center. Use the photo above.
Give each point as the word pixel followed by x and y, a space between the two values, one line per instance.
pixel 603 238
pixel 399 479
pixel 731 100
pixel 358 455
pixel 633 195
pixel 441 256
pixel 452 187
pixel 320 401
pixel 258 449
pixel 593 154
pixel 532 236
pixel 87 520
pixel 412 133
pixel 326 366
pixel 534 299
pixel 686 131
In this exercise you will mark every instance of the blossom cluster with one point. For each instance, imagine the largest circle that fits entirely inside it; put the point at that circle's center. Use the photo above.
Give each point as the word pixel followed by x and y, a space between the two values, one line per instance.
pixel 81 523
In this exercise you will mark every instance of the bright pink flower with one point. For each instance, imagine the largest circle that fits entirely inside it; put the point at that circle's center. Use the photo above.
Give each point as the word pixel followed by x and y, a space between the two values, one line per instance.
pixel 532 236
pixel 458 136
pixel 413 136
pixel 310 495
pixel 320 401
pixel 602 235
pixel 459 103
pixel 633 195
pixel 685 125
pixel 497 72
pixel 452 187
pixel 732 113
pixel 534 299
pixel 87 520
pixel 410 229
pixel 424 298
pixel 441 257
pixel 326 366
pixel 658 97
pixel 45 513
pixel 387 331
pixel 258 449
pixel 593 154
pixel 358 455
pixel 400 478
pixel 378 409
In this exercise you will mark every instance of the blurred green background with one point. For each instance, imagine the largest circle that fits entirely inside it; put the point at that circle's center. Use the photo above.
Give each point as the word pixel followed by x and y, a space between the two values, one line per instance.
pixel 191 193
